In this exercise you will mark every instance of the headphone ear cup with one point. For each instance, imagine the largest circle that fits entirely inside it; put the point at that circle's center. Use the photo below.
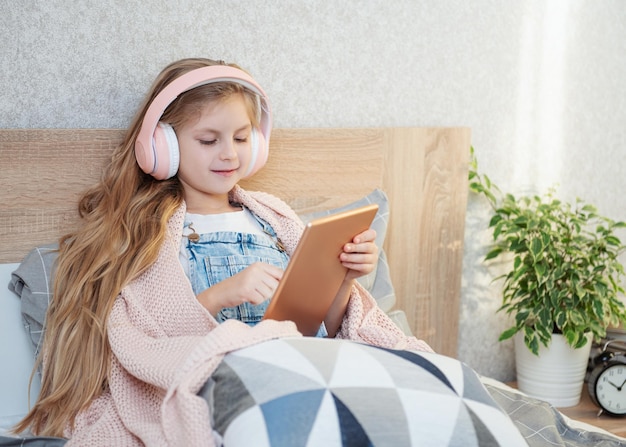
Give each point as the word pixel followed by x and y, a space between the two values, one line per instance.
pixel 259 152
pixel 166 151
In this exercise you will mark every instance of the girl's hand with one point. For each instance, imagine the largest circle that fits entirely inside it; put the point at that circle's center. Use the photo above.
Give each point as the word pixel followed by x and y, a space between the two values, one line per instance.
pixel 254 284
pixel 361 255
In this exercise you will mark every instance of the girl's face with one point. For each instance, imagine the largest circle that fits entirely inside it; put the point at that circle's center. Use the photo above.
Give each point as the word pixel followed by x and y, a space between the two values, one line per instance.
pixel 214 154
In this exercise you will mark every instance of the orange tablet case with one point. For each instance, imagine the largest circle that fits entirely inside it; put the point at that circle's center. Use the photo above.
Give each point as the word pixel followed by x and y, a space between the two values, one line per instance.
pixel 314 273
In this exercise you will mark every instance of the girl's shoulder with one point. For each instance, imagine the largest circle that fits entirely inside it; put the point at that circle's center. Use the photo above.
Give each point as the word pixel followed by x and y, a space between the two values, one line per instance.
pixel 266 199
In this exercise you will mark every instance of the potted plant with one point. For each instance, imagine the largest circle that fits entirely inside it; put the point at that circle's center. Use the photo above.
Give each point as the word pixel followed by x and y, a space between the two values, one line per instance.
pixel 565 274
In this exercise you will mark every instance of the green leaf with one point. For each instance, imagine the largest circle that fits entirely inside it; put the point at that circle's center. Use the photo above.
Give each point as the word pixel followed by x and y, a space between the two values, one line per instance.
pixel 508 333
pixel 571 336
pixel 521 316
pixel 582 341
pixel 494 220
pixel 541 269
pixel 536 247
pixel 545 319
pixel 533 345
pixel 494 253
pixel 612 240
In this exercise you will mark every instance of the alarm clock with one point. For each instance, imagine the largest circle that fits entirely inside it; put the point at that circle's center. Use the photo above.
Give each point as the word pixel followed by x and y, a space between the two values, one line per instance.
pixel 607 383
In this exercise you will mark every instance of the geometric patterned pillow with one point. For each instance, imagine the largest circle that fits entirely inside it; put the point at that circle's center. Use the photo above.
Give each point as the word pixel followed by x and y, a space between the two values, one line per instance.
pixel 328 392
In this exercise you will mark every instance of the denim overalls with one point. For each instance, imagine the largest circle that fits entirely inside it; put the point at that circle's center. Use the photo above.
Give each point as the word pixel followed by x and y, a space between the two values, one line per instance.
pixel 216 256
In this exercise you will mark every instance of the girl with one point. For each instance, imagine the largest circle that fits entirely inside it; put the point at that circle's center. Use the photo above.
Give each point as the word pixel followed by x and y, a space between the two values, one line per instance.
pixel 145 306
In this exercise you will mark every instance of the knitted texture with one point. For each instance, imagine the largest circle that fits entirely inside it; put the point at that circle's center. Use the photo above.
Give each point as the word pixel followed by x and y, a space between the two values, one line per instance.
pixel 166 345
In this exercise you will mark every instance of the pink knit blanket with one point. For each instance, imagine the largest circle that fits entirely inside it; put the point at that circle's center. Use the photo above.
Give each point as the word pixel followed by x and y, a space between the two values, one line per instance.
pixel 166 345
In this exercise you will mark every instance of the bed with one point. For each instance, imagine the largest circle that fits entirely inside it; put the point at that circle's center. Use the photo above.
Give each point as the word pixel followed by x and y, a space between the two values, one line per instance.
pixel 418 176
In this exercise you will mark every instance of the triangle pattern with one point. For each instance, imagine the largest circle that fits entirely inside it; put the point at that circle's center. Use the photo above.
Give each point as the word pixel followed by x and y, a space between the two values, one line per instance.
pixel 463 432
pixel 435 413
pixel 475 390
pixel 452 367
pixel 423 363
pixel 234 392
pixel 279 353
pixel 322 357
pixel 483 434
pixel 403 372
pixel 356 367
pixel 325 431
pixel 260 380
pixel 497 422
pixel 250 421
pixel 380 411
pixel 302 409
pixel 352 433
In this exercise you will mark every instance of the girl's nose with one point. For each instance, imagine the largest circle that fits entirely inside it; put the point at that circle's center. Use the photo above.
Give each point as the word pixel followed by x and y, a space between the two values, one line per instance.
pixel 227 150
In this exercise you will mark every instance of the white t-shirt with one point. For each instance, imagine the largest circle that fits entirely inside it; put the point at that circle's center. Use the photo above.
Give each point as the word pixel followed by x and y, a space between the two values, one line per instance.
pixel 239 221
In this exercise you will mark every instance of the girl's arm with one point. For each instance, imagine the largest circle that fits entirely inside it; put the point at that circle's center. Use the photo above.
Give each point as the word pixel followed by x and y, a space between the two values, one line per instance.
pixel 360 257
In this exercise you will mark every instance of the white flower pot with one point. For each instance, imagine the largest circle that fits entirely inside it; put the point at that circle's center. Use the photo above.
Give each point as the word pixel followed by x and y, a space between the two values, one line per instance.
pixel 556 375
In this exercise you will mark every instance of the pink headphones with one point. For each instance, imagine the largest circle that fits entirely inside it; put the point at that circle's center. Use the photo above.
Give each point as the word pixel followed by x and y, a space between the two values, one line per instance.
pixel 156 147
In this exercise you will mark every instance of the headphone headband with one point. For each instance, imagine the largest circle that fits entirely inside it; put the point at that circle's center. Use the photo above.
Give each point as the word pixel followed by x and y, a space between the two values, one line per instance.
pixel 145 150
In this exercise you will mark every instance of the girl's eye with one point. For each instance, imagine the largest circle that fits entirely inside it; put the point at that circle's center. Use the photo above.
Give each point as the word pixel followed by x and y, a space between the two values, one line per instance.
pixel 208 142
pixel 241 139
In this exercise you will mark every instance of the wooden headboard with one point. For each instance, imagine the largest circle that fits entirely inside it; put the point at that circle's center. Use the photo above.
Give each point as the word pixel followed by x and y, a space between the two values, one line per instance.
pixel 422 170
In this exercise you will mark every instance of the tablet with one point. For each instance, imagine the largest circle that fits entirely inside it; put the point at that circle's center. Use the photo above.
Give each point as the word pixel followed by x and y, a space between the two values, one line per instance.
pixel 314 273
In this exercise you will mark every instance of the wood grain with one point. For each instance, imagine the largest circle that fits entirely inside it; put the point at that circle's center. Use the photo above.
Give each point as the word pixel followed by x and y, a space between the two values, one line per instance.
pixel 422 170
pixel 425 177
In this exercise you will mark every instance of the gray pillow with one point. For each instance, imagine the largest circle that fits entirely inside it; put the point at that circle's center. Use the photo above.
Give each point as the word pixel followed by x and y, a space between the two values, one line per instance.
pixel 32 282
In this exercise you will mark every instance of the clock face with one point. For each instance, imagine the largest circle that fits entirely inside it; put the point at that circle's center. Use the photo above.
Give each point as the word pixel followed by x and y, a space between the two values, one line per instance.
pixel 610 389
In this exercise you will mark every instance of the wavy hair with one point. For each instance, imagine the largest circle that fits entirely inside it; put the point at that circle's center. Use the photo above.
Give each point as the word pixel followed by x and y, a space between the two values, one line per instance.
pixel 123 225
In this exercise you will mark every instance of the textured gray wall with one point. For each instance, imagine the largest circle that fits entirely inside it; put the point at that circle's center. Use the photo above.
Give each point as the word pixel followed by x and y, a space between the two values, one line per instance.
pixel 541 83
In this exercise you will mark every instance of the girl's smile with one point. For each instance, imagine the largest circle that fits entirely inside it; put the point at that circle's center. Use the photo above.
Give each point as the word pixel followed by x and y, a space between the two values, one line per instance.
pixel 226 173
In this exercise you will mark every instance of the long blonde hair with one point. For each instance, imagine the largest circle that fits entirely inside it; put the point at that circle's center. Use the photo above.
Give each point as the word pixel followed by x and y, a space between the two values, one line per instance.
pixel 123 225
